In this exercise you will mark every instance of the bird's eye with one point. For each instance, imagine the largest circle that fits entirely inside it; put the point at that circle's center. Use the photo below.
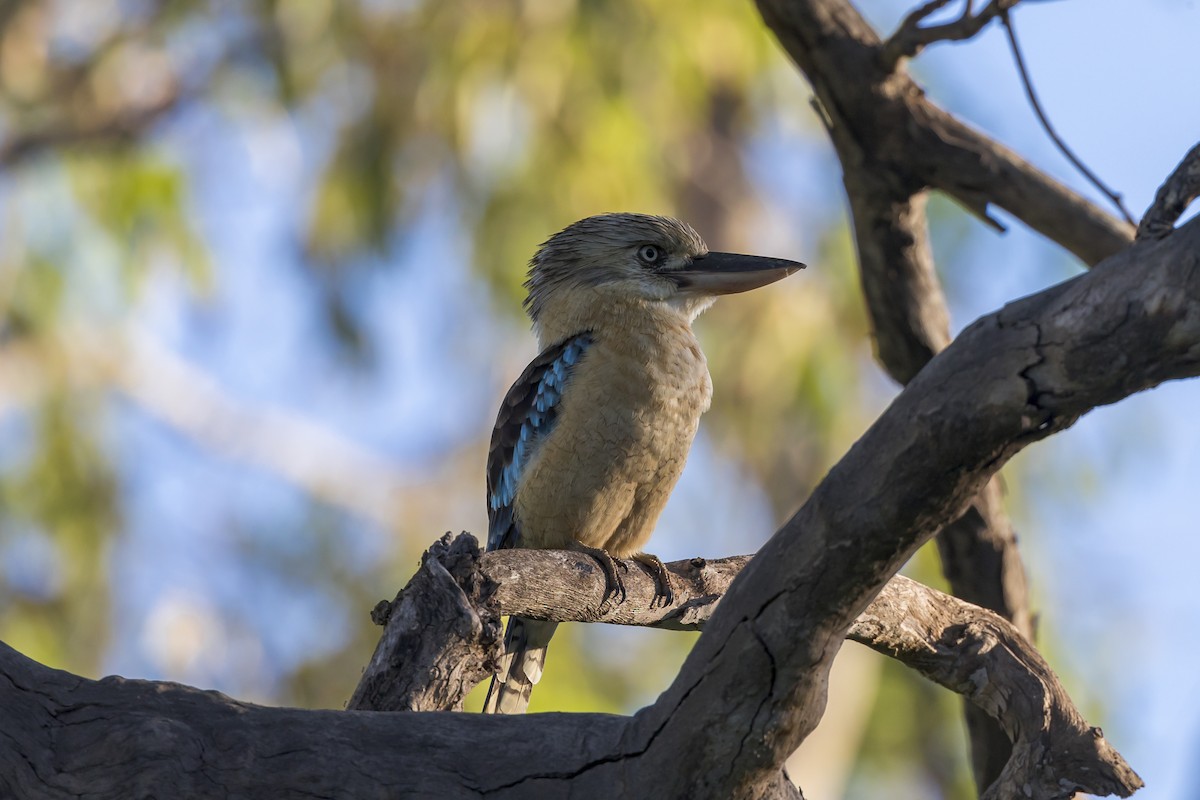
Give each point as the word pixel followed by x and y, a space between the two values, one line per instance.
pixel 649 254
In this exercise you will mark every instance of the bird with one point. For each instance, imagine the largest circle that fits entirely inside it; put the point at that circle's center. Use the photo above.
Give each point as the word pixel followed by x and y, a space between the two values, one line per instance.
pixel 592 437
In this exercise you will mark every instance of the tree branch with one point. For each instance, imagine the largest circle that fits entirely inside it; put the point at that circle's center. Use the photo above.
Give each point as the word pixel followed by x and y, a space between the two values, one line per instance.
pixel 965 648
pixel 65 736
pixel 1027 82
pixel 441 635
pixel 1172 198
pixel 887 113
pixel 911 324
pixel 911 37
pixel 983 657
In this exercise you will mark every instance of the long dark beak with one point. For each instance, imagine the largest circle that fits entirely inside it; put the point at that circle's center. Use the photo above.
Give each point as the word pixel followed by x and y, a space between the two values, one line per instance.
pixel 727 273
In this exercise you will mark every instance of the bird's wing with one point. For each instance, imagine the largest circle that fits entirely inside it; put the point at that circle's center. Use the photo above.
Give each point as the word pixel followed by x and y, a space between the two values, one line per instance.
pixel 526 417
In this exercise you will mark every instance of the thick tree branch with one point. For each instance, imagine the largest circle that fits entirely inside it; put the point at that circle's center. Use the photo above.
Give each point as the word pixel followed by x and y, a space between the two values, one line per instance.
pixel 983 657
pixel 62 736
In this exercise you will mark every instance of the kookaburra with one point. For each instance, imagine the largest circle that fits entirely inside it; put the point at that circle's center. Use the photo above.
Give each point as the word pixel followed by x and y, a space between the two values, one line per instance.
pixel 592 437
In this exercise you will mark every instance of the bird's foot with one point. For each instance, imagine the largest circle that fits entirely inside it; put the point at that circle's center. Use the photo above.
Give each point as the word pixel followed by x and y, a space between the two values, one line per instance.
pixel 662 578
pixel 613 585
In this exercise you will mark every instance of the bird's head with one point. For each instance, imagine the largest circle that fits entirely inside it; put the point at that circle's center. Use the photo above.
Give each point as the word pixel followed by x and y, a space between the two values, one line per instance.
pixel 640 258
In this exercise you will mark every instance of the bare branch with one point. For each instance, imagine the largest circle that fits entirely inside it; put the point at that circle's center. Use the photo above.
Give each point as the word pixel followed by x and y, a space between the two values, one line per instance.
pixel 889 116
pixel 984 658
pixel 911 324
pixel 966 648
pixel 440 636
pixel 911 38
pixel 1172 198
pixel 66 736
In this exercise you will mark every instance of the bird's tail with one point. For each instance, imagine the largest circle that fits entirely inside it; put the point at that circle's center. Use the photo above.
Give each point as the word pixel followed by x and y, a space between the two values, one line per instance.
pixel 520 667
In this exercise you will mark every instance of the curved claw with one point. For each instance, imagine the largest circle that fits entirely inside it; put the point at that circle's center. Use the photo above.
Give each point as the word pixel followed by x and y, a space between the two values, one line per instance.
pixel 613 585
pixel 662 578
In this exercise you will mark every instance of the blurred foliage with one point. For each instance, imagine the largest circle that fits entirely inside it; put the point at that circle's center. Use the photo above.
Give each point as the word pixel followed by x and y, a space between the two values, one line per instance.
pixel 527 115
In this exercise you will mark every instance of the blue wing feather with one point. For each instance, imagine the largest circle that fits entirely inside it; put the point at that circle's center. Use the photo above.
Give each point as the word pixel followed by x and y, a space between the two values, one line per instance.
pixel 527 415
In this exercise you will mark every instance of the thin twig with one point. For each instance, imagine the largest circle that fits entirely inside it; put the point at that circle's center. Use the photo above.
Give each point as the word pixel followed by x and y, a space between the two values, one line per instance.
pixel 911 38
pixel 1115 197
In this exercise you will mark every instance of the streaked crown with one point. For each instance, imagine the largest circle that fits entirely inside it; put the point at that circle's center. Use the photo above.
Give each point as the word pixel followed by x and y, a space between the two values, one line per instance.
pixel 633 248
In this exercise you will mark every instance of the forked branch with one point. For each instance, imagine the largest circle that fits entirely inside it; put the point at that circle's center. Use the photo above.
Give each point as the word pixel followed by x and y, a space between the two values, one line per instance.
pixel 965 648
pixel 912 37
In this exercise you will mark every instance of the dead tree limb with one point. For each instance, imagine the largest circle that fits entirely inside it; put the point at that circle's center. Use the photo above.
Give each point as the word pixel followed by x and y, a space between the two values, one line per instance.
pixel 63 736
pixel 908 313
pixel 440 635
pixel 967 649
pixel 912 37
pixel 1172 198
pixel 983 657
pixel 893 120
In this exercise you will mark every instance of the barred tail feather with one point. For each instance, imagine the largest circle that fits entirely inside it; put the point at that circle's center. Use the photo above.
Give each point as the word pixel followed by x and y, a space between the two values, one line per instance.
pixel 520 667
